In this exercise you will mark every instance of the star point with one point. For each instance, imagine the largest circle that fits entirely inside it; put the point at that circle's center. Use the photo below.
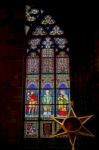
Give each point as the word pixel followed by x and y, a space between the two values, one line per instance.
pixel 71 126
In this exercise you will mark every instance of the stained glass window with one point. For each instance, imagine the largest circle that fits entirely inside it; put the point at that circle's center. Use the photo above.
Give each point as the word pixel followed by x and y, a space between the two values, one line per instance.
pixel 48 52
pixel 39 31
pixel 56 31
pixel 47 65
pixel 48 20
pixel 47 84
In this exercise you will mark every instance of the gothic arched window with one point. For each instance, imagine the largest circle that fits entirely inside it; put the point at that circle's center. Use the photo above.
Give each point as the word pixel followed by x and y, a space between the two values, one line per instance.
pixel 47 88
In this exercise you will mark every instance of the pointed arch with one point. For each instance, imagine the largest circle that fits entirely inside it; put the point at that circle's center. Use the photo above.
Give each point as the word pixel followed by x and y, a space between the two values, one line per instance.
pixel 47 88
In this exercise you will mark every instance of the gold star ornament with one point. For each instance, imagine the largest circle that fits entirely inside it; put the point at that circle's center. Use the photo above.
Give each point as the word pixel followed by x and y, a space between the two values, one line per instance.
pixel 72 126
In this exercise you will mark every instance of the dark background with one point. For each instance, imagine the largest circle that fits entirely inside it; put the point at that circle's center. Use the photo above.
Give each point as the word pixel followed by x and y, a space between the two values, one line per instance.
pixel 80 24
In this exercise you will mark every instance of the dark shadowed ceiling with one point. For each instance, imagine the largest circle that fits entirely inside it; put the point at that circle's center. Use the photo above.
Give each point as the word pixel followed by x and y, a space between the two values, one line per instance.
pixel 78 20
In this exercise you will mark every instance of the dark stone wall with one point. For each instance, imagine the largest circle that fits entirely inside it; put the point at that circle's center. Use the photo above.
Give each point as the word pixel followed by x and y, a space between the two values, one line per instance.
pixel 11 72
pixel 84 62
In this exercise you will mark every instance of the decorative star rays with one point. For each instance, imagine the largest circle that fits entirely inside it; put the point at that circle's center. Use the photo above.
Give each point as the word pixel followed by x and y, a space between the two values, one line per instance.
pixel 72 126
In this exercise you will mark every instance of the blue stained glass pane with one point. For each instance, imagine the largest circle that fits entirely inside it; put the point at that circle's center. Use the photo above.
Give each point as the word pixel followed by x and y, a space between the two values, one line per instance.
pixel 47 81
pixel 47 86
pixel 32 82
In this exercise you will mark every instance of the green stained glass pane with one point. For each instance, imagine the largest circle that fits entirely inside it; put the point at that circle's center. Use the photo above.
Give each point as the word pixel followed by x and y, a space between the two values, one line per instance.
pixel 63 96
pixel 63 102
pixel 47 96
pixel 46 111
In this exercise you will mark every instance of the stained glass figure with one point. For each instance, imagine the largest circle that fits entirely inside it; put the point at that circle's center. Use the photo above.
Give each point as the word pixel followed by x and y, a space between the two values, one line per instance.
pixel 31 109
pixel 31 129
pixel 47 65
pixel 31 96
pixel 47 129
pixel 47 84
pixel 63 102
pixel 47 100
pixel 47 95
pixel 47 81
pixel 46 111
pixel 32 102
